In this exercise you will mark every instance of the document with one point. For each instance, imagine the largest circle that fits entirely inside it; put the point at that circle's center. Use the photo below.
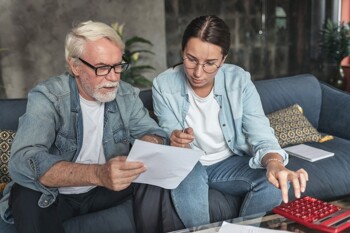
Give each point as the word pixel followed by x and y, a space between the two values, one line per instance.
pixel 166 165
pixel 308 153
pixel 230 227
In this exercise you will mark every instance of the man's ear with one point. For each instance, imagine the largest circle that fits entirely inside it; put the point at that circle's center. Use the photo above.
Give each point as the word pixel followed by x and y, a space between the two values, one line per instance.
pixel 73 67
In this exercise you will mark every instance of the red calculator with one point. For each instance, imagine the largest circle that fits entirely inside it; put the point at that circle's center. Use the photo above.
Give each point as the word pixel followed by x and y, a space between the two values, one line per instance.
pixel 315 214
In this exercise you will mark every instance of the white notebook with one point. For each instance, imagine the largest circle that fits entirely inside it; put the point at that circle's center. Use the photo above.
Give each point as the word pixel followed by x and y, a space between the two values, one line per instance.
pixel 308 153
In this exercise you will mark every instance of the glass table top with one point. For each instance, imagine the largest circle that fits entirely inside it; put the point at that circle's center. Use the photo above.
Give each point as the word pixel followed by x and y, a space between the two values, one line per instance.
pixel 267 220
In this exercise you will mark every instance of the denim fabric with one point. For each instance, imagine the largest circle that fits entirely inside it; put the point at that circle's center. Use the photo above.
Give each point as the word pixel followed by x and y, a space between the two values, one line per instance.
pixel 51 131
pixel 231 176
pixel 247 133
pixel 191 199
pixel 245 127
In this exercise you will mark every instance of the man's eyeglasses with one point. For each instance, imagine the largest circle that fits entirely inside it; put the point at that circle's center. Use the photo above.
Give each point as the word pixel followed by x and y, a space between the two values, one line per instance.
pixel 105 69
pixel 208 67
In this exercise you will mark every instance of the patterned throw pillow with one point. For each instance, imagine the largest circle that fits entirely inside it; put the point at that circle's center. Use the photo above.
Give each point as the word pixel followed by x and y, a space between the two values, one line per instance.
pixel 292 127
pixel 6 138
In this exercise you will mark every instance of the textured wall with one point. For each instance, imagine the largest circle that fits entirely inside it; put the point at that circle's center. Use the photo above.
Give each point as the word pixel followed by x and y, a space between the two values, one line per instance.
pixel 34 33
pixel 269 38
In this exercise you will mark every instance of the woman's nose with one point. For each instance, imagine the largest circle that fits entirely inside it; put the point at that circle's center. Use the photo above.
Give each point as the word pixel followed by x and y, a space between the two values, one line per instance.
pixel 198 70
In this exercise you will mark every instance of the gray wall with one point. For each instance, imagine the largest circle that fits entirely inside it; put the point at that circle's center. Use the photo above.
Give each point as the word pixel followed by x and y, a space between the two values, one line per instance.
pixel 34 33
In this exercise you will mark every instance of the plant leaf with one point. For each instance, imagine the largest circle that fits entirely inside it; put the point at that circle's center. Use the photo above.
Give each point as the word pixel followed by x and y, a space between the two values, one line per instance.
pixel 136 39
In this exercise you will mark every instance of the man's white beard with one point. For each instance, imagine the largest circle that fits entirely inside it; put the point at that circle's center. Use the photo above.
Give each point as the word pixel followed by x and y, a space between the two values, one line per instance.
pixel 96 94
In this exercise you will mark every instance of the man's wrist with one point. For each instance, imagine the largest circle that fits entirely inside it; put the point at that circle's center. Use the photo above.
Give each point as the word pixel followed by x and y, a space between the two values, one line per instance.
pixel 154 139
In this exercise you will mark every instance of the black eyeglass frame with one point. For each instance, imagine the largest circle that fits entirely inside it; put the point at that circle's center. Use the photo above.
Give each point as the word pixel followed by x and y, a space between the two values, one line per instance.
pixel 124 67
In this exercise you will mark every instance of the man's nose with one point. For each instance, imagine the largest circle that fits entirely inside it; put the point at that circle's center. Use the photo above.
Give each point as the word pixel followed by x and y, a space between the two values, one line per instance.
pixel 113 76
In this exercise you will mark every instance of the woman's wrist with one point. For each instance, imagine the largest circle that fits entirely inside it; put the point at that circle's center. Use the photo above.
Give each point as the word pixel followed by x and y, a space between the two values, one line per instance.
pixel 276 160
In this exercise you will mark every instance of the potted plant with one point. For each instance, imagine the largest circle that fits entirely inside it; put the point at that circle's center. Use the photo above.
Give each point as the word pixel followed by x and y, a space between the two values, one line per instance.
pixel 133 53
pixel 335 45
pixel 2 87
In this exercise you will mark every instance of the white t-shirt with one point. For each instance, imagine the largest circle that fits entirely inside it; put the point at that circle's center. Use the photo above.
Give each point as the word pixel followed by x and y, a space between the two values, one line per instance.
pixel 203 117
pixel 92 149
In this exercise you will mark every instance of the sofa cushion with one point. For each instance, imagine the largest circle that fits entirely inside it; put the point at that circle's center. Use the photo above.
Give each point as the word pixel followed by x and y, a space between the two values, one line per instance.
pixel 327 179
pixel 291 126
pixel 6 138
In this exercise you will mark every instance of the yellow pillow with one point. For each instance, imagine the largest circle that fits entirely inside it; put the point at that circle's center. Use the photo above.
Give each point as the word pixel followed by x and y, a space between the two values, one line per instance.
pixel 292 127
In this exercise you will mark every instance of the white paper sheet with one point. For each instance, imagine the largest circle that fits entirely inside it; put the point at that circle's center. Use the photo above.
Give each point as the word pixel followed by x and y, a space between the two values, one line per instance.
pixel 166 166
pixel 230 227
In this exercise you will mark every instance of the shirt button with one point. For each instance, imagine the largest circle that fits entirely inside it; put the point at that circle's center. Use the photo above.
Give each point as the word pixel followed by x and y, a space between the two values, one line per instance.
pixel 223 125
pixel 229 141
pixel 45 203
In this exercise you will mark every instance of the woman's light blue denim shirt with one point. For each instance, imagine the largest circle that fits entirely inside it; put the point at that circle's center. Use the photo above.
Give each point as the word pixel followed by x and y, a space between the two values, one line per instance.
pixel 245 127
pixel 51 131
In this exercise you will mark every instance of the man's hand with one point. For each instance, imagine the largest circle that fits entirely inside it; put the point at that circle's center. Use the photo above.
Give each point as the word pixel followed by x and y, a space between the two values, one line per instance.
pixel 279 176
pixel 182 138
pixel 117 174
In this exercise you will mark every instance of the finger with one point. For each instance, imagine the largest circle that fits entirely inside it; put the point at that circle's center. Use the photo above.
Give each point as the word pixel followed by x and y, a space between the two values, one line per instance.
pixel 296 186
pixel 120 185
pixel 120 162
pixel 284 190
pixel 177 138
pixel 272 179
pixel 125 176
pixel 306 175
pixel 120 158
pixel 189 131
pixel 302 180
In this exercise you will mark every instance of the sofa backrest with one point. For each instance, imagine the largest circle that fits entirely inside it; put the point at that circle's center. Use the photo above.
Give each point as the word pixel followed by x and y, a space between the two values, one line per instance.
pixel 279 93
pixel 275 94
pixel 10 111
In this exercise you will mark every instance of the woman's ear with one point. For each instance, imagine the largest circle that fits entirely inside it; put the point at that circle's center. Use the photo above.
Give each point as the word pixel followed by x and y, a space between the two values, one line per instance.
pixel 223 60
pixel 73 67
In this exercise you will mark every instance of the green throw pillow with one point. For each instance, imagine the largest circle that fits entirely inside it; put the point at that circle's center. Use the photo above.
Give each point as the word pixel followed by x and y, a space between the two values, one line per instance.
pixel 292 127
pixel 6 138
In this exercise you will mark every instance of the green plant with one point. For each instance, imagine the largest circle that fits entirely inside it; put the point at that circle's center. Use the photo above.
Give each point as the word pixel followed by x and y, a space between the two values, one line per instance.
pixel 335 41
pixel 133 53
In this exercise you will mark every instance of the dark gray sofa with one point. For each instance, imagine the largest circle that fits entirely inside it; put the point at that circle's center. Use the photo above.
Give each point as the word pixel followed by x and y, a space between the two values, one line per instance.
pixel 327 108
pixel 119 218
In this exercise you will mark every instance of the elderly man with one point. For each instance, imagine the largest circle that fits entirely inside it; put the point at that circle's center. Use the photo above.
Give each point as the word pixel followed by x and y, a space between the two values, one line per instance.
pixel 69 154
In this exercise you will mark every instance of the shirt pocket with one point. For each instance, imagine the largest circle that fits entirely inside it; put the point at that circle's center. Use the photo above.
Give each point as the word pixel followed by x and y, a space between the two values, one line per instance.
pixel 120 136
pixel 65 144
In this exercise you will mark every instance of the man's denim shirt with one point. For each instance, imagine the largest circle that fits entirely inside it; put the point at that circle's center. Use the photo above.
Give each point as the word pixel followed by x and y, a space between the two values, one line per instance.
pixel 245 127
pixel 51 131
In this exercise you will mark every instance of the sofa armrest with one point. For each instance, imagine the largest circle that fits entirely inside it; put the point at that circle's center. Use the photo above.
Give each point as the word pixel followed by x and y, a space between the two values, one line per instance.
pixel 335 112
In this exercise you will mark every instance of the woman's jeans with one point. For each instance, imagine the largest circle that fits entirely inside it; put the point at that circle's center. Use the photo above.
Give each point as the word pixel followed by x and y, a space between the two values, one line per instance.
pixel 232 176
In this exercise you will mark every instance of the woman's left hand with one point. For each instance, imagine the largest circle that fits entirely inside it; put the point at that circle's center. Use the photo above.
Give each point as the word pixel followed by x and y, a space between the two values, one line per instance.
pixel 279 176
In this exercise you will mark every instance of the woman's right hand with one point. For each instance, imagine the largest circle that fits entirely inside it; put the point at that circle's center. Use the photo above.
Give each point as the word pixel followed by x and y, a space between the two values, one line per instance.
pixel 182 138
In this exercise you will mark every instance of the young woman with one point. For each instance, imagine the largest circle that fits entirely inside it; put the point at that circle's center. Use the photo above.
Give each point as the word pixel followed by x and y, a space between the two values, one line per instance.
pixel 207 105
